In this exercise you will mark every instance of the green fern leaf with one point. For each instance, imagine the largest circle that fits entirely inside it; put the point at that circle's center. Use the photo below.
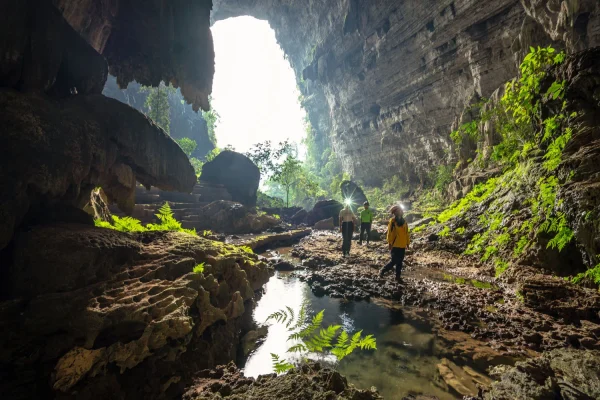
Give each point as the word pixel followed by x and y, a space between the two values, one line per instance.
pixel 292 316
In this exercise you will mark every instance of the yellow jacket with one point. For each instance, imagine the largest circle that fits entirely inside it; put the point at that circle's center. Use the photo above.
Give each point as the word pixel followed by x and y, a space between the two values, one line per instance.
pixel 397 236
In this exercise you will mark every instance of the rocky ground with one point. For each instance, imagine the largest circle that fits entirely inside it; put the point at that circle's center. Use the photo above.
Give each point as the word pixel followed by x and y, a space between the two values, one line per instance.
pixel 117 315
pixel 501 321
pixel 309 382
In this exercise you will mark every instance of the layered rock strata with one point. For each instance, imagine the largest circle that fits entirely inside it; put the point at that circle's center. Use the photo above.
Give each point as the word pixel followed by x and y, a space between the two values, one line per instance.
pixel 115 315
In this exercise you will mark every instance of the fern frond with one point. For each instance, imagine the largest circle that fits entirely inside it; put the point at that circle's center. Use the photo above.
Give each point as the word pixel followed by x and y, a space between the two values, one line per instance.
pixel 292 316
pixel 298 348
pixel 279 365
pixel 279 316
pixel 315 324
pixel 165 212
pixel 301 318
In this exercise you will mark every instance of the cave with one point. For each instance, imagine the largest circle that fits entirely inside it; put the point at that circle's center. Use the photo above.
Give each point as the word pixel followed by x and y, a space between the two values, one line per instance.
pixel 88 312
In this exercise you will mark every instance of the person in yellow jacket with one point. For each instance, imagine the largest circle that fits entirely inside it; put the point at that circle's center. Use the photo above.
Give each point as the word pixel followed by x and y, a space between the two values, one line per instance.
pixel 398 240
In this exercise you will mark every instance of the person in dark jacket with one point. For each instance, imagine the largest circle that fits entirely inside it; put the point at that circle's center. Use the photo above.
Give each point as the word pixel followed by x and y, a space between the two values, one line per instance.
pixel 398 239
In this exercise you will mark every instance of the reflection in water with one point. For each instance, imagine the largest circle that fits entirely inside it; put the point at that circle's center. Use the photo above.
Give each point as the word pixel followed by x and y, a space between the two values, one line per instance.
pixel 405 362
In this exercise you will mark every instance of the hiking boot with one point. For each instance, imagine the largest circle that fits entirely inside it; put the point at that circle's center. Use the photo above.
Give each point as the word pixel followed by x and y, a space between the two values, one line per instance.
pixel 399 278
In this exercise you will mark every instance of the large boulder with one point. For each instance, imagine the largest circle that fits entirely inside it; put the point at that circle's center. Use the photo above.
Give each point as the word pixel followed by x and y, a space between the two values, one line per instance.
pixel 325 225
pixel 324 209
pixel 350 190
pixel 237 173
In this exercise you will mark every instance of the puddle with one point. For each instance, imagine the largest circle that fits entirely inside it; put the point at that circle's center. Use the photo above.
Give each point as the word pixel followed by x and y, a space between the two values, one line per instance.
pixel 408 354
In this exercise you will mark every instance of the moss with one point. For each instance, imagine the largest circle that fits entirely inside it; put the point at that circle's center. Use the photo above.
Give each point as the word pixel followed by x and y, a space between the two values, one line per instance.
pixel 500 266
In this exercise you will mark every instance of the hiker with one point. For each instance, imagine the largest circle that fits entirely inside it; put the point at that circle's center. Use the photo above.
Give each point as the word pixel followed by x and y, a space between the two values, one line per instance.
pixel 347 222
pixel 366 218
pixel 398 241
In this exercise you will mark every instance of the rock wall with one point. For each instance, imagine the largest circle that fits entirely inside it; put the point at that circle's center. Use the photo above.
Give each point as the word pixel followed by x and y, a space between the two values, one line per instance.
pixel 386 81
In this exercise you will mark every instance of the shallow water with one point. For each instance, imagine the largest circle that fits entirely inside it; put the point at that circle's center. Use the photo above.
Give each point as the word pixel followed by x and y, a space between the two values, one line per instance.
pixel 404 363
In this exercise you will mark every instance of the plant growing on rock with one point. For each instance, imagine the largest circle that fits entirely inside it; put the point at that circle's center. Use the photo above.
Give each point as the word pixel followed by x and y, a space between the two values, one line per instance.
pixel 311 337
pixel 129 224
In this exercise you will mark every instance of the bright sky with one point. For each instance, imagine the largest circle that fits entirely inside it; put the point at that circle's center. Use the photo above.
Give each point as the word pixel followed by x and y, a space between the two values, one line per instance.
pixel 254 89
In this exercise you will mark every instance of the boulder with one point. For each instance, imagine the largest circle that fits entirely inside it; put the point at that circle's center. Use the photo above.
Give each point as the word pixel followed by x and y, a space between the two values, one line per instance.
pixel 350 190
pixel 237 173
pixel 284 266
pixel 98 206
pixel 325 225
pixel 299 217
pixel 324 209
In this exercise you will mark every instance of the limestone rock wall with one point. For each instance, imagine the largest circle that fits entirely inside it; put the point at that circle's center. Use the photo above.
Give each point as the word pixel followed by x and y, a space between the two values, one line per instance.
pixel 386 81
pixel 115 315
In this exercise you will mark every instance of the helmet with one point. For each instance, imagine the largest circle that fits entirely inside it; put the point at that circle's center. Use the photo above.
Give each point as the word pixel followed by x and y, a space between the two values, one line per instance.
pixel 366 203
pixel 394 209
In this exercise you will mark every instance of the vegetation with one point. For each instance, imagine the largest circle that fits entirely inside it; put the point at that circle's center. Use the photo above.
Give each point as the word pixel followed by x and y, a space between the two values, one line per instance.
pixel 518 119
pixel 589 277
pixel 198 269
pixel 212 118
pixel 128 224
pixel 311 337
pixel 189 146
pixel 285 175
pixel 157 104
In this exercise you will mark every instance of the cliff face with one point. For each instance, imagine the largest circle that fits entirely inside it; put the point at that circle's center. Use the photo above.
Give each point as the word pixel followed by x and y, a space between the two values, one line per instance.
pixel 185 122
pixel 386 81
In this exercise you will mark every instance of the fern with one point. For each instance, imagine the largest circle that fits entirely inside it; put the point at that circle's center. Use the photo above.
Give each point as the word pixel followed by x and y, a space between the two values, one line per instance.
pixel 198 269
pixel 129 224
pixel 313 338
pixel 279 365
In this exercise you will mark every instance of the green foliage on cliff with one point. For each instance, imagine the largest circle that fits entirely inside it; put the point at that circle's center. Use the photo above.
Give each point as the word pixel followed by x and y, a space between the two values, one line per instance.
pixel 311 337
pixel 128 224
pixel 212 118
pixel 589 277
pixel 523 129
pixel 157 104
pixel 188 146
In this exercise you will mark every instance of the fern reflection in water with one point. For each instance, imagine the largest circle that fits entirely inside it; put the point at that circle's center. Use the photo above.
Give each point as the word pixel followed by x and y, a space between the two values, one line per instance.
pixel 311 337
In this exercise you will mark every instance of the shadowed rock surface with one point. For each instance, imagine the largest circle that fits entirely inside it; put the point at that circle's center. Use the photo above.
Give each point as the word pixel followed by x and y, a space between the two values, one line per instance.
pixel 79 143
pixel 310 382
pixel 116 315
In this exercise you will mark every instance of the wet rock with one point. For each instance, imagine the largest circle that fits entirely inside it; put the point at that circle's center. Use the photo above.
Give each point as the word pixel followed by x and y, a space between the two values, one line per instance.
pixel 563 373
pixel 309 382
pixel 237 173
pixel 284 266
pixel 560 298
pixel 325 225
pixel 464 381
pixel 324 209
pixel 350 190
pixel 253 339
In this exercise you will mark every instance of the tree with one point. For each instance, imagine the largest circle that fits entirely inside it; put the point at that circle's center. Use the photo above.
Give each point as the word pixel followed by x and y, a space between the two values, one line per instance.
pixel 288 175
pixel 157 104
pixel 212 118
pixel 187 145
pixel 267 158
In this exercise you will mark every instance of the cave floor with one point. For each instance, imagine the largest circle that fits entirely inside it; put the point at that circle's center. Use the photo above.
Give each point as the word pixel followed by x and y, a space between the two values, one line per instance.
pixel 459 295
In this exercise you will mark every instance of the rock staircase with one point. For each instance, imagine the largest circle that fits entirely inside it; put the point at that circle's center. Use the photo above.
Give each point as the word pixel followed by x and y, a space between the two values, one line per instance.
pixel 185 206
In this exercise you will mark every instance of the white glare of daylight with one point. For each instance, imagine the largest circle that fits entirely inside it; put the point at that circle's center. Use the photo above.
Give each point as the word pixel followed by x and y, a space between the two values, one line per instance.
pixel 348 202
pixel 254 89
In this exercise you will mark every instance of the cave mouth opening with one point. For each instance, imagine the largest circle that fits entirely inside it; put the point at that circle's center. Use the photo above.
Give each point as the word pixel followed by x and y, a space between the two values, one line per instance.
pixel 254 88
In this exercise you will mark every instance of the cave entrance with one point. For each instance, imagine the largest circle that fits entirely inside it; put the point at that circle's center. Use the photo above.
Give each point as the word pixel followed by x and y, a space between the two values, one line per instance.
pixel 254 89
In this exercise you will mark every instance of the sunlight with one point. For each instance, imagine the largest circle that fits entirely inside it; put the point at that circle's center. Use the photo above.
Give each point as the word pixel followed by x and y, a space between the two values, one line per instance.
pixel 254 88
